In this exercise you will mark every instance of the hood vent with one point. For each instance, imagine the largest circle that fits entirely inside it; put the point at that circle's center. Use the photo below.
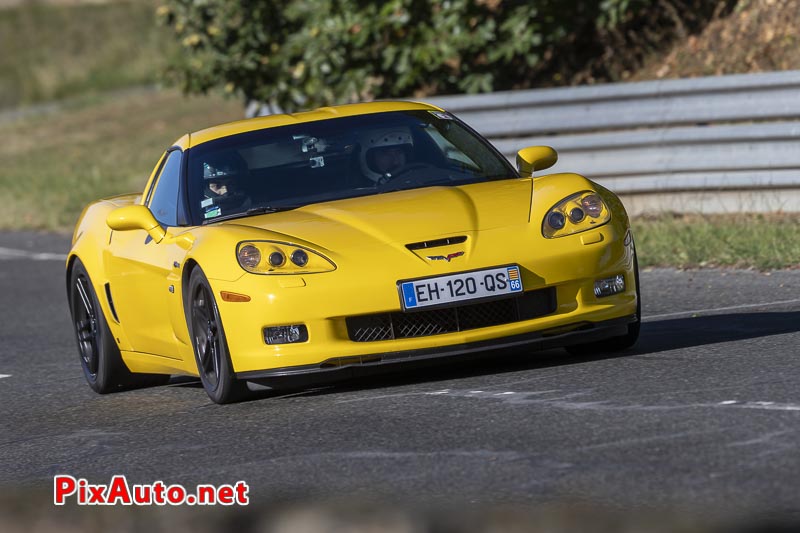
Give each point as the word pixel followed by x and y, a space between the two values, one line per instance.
pixel 436 243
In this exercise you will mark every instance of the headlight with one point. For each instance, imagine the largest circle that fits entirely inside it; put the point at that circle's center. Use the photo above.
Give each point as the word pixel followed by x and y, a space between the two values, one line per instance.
pixel 270 257
pixel 277 259
pixel 579 212
pixel 300 258
pixel 249 256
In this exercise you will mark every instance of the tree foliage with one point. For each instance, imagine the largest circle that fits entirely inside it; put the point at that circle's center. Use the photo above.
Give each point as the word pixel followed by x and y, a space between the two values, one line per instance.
pixel 301 53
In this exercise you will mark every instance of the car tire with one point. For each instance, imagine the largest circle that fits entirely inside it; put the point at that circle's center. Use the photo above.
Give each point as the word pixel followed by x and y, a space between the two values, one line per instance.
pixel 99 354
pixel 209 344
pixel 622 342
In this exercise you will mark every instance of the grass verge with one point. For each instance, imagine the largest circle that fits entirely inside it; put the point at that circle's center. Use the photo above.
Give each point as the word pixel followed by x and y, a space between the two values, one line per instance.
pixel 50 52
pixel 55 163
pixel 760 241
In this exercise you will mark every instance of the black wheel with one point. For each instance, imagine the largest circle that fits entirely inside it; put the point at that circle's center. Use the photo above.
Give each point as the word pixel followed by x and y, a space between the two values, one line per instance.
pixel 623 342
pixel 209 343
pixel 100 359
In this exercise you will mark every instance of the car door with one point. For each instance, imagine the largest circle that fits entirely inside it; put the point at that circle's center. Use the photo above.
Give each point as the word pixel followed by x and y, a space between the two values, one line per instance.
pixel 144 281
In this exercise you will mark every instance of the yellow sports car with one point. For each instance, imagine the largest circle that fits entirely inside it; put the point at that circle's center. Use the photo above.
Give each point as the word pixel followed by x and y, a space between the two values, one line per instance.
pixel 316 243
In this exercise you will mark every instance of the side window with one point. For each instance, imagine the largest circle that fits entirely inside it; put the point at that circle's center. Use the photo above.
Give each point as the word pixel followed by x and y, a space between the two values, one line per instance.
pixel 156 172
pixel 164 202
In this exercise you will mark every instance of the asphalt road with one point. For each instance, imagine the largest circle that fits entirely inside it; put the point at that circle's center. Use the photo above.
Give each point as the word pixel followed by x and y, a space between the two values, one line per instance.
pixel 703 415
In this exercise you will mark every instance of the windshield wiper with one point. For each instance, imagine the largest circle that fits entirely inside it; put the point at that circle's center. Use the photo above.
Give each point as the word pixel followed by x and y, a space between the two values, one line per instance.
pixel 270 209
pixel 261 210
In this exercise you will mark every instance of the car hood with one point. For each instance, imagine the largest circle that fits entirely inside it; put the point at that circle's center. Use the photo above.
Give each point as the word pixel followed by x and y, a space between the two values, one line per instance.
pixel 403 217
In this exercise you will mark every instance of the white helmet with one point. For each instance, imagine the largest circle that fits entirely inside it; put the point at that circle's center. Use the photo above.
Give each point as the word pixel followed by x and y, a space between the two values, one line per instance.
pixel 373 141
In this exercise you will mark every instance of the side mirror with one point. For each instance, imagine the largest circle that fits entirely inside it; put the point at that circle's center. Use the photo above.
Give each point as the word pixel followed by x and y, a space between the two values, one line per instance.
pixel 135 217
pixel 534 158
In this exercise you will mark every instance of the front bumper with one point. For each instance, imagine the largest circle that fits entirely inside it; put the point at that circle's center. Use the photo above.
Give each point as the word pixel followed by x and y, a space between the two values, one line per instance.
pixel 344 367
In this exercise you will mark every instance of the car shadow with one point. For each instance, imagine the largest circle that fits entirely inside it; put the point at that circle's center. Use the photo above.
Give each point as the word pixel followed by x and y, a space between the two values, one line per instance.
pixel 657 336
pixel 674 334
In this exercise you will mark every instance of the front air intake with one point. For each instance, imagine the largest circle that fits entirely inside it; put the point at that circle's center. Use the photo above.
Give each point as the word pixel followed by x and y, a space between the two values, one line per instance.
pixel 436 243
pixel 400 325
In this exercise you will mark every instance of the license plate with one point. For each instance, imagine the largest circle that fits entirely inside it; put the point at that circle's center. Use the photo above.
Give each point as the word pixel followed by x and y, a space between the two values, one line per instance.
pixel 465 286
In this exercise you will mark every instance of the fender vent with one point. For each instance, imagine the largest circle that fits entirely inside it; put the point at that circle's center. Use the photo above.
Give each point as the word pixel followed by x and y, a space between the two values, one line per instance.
pixel 438 242
pixel 111 303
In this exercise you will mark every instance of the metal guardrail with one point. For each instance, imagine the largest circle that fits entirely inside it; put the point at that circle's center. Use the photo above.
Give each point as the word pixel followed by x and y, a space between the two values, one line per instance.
pixel 717 144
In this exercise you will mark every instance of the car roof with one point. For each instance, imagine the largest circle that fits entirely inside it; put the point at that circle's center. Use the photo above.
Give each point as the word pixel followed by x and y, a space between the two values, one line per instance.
pixel 322 113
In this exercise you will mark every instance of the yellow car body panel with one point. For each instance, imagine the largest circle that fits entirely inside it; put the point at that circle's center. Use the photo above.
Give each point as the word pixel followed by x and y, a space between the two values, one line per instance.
pixel 142 284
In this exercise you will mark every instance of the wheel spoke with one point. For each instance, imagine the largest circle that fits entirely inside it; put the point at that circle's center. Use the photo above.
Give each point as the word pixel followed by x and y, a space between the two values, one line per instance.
pixel 90 359
pixel 87 303
pixel 199 325
pixel 213 353
pixel 85 325
pixel 201 316
pixel 84 330
pixel 215 358
pixel 208 361
pixel 201 341
pixel 205 335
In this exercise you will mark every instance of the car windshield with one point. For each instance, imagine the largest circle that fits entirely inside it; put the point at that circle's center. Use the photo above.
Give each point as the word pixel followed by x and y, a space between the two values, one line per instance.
pixel 290 166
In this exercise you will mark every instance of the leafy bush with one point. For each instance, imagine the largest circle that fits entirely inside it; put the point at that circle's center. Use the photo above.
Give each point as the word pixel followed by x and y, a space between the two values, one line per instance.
pixel 299 54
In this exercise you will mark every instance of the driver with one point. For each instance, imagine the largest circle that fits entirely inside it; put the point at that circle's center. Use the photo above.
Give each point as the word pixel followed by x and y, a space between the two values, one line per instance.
pixel 385 153
pixel 223 174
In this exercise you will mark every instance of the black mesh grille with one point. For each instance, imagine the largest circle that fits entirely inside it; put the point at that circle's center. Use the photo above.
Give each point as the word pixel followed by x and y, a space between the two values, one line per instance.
pixel 370 328
pixel 491 313
pixel 387 326
pixel 423 323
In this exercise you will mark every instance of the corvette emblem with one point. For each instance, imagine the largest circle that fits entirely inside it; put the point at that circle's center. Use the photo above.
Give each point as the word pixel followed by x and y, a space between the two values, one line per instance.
pixel 447 257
